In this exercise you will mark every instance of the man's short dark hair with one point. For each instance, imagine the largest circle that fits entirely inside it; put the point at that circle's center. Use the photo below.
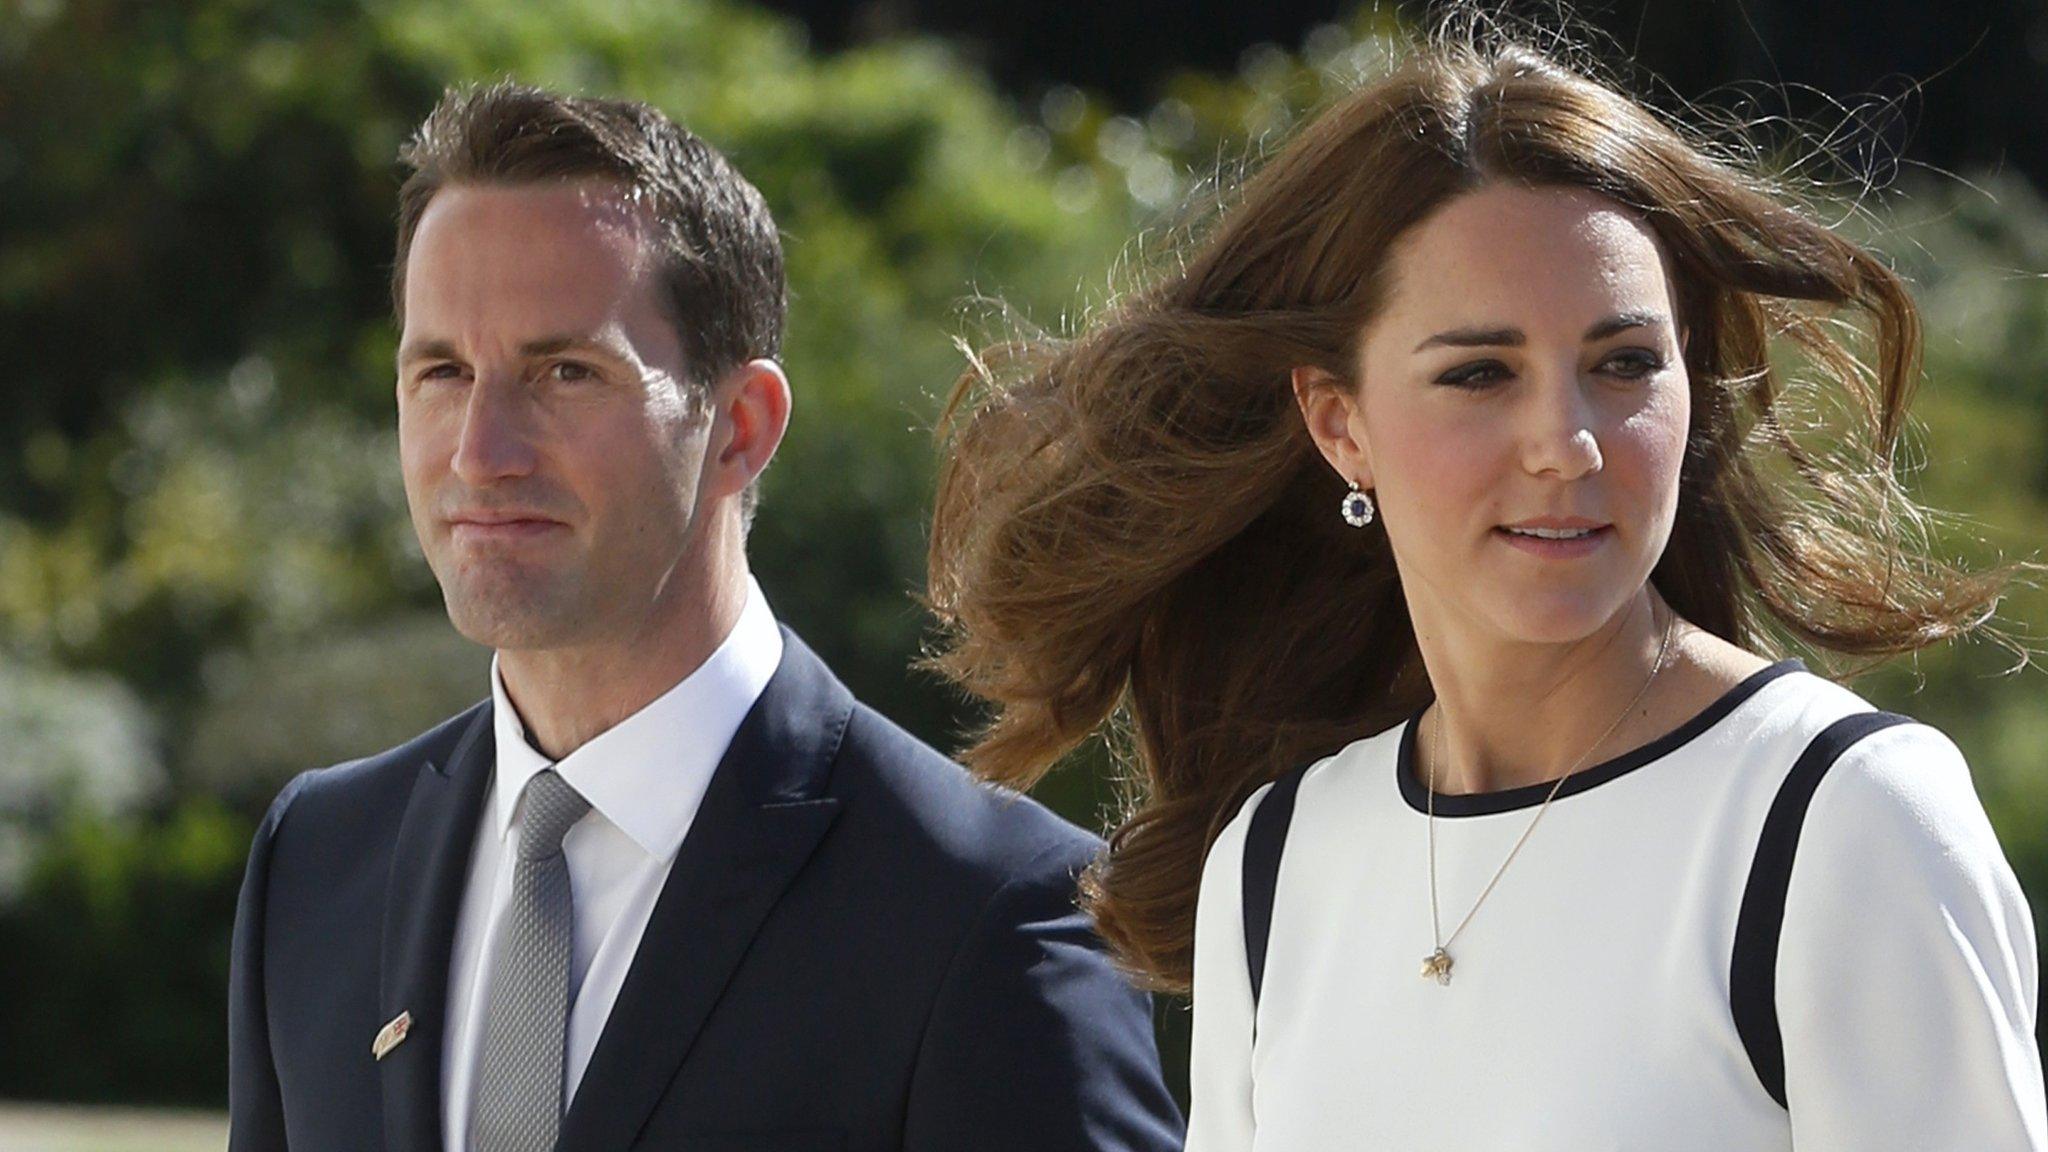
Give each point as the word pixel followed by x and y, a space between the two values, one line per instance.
pixel 721 260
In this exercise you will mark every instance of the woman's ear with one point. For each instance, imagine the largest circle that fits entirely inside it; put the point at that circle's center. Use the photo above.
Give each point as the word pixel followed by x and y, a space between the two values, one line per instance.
pixel 1329 407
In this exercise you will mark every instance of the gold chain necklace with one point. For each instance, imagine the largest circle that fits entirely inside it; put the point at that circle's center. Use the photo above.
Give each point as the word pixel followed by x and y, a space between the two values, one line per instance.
pixel 1437 965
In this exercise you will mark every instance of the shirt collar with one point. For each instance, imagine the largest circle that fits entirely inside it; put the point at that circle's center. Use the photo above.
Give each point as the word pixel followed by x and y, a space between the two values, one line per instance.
pixel 647 774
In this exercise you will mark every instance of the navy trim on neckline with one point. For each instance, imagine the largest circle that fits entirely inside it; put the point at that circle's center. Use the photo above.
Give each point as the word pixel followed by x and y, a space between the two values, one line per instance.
pixel 1530 795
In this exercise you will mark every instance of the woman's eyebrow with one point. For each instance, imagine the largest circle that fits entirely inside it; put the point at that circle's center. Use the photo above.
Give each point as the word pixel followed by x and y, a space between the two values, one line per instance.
pixel 1475 338
pixel 1623 321
pixel 1514 337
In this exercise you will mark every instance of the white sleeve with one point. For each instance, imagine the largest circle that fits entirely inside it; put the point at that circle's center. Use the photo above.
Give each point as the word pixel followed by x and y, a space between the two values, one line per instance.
pixel 1906 979
pixel 1220 1055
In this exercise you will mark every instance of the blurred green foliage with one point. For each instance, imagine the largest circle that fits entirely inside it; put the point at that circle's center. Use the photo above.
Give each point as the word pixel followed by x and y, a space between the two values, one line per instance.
pixel 207 580
pixel 120 926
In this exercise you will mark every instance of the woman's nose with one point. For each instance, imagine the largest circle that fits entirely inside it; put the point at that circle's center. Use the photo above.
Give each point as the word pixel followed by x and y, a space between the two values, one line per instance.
pixel 1558 437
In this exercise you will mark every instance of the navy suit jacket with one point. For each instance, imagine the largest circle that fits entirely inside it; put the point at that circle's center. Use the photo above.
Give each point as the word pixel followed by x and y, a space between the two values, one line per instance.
pixel 858 947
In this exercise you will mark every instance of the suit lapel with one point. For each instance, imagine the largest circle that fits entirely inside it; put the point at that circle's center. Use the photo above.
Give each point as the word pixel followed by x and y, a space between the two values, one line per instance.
pixel 762 817
pixel 429 869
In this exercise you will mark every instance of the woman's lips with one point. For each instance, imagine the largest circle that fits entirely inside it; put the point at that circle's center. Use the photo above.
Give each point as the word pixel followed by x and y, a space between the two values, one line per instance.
pixel 1566 549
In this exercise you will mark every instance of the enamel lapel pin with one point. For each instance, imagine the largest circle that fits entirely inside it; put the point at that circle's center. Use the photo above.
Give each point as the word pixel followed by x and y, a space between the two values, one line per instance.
pixel 391 1035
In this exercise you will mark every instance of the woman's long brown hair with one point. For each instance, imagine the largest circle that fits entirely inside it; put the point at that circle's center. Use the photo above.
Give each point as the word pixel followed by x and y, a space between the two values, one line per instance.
pixel 1135 537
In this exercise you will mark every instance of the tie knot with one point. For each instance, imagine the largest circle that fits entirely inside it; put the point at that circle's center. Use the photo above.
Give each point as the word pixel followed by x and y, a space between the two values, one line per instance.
pixel 551 807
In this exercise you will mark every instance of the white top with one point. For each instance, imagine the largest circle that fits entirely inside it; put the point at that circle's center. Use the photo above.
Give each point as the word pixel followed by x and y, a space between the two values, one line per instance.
pixel 1590 1002
pixel 644 779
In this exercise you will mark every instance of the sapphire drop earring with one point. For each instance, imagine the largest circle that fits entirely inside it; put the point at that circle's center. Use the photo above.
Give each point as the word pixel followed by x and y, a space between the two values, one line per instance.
pixel 1357 507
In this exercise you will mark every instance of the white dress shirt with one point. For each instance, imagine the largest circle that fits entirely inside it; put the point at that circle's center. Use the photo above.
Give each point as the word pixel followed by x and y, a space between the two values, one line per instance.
pixel 644 779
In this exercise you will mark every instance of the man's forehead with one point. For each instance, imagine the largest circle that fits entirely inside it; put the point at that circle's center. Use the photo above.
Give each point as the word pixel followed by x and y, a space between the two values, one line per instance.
pixel 504 266
pixel 576 247
pixel 606 213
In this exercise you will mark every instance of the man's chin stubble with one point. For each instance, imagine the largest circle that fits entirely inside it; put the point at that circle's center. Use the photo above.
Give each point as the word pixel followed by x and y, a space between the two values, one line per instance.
pixel 518 622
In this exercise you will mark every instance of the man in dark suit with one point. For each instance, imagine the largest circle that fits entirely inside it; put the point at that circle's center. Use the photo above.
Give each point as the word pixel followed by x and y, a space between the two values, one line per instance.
pixel 671 886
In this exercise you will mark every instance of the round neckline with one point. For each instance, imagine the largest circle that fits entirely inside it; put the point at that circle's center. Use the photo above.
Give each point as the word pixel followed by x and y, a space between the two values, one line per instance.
pixel 1530 795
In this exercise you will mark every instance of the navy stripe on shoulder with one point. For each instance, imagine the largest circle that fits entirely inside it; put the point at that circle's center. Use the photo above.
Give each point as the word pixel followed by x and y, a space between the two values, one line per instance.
pixel 1753 963
pixel 1263 842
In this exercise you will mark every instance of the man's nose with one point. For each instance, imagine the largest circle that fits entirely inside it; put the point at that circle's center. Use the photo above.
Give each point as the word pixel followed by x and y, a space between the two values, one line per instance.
pixel 497 436
pixel 1559 428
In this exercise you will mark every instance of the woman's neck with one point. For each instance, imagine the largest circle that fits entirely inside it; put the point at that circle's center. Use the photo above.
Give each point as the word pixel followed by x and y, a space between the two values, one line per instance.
pixel 1513 714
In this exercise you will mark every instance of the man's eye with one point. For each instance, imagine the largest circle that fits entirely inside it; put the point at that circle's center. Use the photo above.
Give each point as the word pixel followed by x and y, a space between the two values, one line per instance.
pixel 1475 376
pixel 440 372
pixel 570 372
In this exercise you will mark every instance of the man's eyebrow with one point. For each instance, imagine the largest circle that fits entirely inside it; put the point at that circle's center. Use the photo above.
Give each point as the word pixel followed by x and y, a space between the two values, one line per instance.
pixel 1514 338
pixel 556 345
pixel 426 350
pixel 545 346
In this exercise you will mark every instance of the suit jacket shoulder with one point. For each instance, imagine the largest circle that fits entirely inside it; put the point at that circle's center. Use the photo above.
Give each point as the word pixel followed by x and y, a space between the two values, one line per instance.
pixel 935 808
pixel 354 791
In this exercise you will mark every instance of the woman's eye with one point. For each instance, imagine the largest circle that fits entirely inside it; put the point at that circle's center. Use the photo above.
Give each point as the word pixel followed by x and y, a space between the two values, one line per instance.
pixel 1475 375
pixel 1634 364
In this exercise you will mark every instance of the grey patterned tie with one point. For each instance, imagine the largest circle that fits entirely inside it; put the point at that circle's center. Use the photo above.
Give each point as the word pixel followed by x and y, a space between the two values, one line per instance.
pixel 518 1102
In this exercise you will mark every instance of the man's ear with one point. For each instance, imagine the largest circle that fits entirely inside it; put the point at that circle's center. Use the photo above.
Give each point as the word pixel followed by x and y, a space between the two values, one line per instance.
pixel 1329 407
pixel 752 406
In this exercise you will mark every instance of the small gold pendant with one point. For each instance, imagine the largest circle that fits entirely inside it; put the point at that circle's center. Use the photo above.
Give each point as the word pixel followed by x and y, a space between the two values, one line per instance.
pixel 1437 966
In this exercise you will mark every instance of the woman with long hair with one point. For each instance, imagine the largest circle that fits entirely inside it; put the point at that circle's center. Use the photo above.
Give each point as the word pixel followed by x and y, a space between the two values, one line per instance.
pixel 1424 538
